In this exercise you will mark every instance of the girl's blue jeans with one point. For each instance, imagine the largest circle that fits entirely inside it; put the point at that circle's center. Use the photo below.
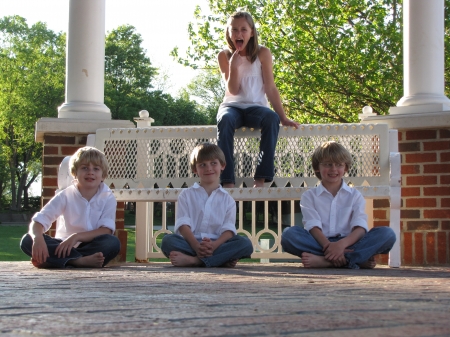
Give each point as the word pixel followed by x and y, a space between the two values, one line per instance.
pixel 238 247
pixel 108 245
pixel 231 118
pixel 379 240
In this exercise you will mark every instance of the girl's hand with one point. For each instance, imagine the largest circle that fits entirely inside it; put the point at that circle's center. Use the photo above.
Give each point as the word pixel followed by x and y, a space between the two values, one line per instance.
pixel 236 60
pixel 290 122
pixel 64 248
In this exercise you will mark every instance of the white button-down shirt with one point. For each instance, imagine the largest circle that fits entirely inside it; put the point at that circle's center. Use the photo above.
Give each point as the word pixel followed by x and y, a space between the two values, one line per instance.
pixel 77 214
pixel 207 216
pixel 333 215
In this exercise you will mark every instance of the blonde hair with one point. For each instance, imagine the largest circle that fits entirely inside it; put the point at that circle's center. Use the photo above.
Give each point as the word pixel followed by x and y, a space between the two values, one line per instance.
pixel 333 152
pixel 252 48
pixel 88 155
pixel 206 151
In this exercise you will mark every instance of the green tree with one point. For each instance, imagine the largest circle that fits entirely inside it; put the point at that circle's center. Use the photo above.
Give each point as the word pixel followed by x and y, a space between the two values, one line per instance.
pixel 32 70
pixel 331 58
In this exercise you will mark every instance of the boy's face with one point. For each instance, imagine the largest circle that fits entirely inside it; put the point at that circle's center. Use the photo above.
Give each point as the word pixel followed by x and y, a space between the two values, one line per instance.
pixel 89 175
pixel 209 171
pixel 331 172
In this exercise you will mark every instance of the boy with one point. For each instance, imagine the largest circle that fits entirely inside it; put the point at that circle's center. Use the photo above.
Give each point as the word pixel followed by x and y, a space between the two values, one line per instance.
pixel 206 215
pixel 335 233
pixel 87 212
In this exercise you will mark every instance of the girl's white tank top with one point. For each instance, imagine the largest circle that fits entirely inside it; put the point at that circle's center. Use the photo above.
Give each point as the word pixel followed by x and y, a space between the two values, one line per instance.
pixel 251 91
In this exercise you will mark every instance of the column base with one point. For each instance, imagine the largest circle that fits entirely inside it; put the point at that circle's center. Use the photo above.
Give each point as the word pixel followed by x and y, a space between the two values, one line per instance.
pixel 407 120
pixel 84 110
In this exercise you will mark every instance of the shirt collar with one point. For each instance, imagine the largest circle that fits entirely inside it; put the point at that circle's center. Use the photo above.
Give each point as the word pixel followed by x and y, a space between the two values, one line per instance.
pixel 197 185
pixel 321 189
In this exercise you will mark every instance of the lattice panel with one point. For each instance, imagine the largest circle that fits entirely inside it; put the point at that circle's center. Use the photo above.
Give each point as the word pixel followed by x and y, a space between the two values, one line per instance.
pixel 159 157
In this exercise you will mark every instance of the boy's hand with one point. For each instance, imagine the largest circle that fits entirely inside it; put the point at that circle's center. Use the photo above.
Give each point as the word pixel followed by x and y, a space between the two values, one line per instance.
pixel 334 252
pixel 206 247
pixel 64 248
pixel 39 250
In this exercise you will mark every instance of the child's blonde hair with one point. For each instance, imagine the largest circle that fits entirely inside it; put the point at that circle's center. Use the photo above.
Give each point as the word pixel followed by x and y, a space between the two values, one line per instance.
pixel 252 48
pixel 332 152
pixel 206 151
pixel 88 155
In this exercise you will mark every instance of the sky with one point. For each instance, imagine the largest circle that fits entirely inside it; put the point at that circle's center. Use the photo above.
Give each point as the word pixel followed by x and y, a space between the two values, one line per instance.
pixel 161 23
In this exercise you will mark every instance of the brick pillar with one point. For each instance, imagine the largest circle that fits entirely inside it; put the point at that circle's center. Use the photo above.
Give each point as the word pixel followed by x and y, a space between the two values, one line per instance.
pixel 56 147
pixel 425 212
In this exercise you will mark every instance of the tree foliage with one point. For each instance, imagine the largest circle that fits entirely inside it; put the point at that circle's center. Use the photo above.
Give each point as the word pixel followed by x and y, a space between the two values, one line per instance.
pixel 331 58
pixel 32 70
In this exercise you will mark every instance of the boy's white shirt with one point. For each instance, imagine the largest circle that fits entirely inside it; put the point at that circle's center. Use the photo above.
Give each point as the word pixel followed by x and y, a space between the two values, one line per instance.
pixel 333 215
pixel 77 214
pixel 207 216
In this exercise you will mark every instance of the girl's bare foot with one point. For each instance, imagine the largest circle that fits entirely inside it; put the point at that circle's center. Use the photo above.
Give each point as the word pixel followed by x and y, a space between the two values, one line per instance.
pixel 230 264
pixel 91 261
pixel 178 259
pixel 369 264
pixel 314 261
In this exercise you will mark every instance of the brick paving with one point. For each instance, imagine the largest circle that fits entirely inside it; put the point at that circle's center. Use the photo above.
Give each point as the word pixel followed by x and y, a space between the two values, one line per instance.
pixel 157 299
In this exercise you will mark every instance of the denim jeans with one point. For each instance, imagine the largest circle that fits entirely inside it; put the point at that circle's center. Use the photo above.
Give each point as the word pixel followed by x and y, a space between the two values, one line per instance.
pixel 259 117
pixel 379 240
pixel 238 247
pixel 108 245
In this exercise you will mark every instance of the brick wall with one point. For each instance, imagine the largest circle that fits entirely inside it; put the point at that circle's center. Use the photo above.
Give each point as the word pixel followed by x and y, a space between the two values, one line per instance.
pixel 56 147
pixel 425 209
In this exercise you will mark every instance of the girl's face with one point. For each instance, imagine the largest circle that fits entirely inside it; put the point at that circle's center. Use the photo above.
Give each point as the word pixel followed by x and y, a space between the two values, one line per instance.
pixel 240 33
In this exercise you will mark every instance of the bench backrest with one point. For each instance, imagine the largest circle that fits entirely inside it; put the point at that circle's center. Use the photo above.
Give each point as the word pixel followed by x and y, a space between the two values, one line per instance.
pixel 159 156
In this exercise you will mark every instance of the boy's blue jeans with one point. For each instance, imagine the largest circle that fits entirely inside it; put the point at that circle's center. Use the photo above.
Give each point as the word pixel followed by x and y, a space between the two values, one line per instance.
pixel 108 245
pixel 259 117
pixel 379 240
pixel 238 247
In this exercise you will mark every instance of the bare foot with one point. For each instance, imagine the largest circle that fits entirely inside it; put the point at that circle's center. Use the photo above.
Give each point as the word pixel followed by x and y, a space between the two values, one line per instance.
pixel 178 259
pixel 228 185
pixel 41 265
pixel 258 183
pixel 314 261
pixel 230 264
pixel 369 264
pixel 91 261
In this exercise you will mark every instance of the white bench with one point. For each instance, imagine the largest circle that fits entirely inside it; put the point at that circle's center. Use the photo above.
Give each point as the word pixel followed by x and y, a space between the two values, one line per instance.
pixel 151 165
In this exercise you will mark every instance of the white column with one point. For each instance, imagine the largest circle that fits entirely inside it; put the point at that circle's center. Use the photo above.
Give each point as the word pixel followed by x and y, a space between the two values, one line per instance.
pixel 423 58
pixel 85 62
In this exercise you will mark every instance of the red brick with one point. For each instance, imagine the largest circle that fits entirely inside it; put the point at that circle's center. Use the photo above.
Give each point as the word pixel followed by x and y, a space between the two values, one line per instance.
pixel 410 213
pixel 48 193
pixel 48 150
pixel 431 247
pixel 56 160
pixel 445 180
pixel 436 168
pixel 379 214
pixel 407 249
pixel 69 150
pixel 445 225
pixel 50 171
pixel 442 247
pixel 410 169
pixel 418 249
pixel 436 213
pixel 382 259
pixel 421 134
pixel 381 203
pixel 421 180
pixel 421 202
pixel 445 202
pixel 50 181
pixel 445 157
pixel 122 236
pixel 400 136
pixel 120 214
pixel 59 140
pixel 436 146
pixel 444 133
pixel 378 223
pixel 421 225
pixel 409 147
pixel 410 191
pixel 429 157
pixel 435 191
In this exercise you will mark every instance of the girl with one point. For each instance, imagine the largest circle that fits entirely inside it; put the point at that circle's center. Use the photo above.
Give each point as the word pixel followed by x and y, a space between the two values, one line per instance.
pixel 247 70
